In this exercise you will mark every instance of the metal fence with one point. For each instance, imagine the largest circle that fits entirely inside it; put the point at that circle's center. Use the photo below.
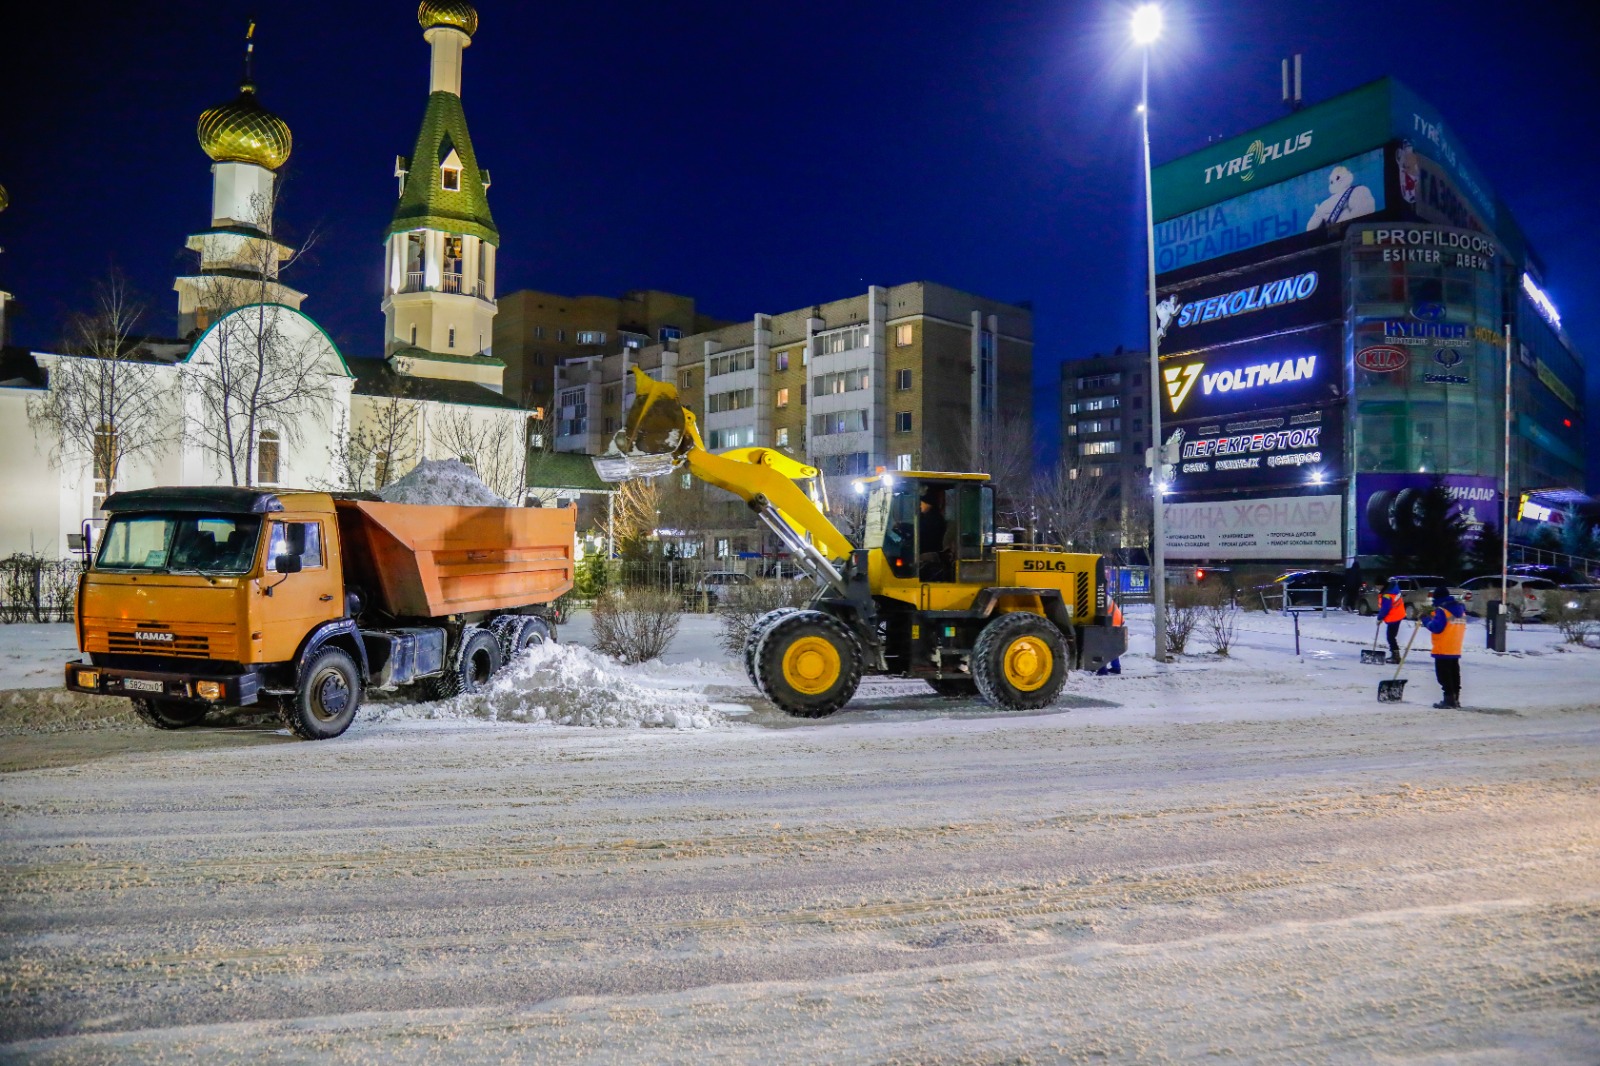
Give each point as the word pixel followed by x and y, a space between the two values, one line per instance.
pixel 35 589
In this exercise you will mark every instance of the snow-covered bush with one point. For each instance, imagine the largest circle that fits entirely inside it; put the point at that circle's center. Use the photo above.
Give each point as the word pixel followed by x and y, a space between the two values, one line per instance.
pixel 1185 605
pixel 635 625
pixel 1576 614
pixel 1219 616
pixel 742 604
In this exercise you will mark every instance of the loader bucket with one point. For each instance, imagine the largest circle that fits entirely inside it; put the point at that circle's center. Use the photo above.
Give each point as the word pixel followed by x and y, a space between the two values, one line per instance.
pixel 651 436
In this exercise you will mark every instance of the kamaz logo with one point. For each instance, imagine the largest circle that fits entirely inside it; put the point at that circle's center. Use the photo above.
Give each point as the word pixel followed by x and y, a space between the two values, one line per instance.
pixel 1059 565
pixel 156 636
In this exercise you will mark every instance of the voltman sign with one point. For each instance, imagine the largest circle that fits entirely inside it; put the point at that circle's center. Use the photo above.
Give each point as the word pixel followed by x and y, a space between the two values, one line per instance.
pixel 1301 291
pixel 1280 528
pixel 1278 371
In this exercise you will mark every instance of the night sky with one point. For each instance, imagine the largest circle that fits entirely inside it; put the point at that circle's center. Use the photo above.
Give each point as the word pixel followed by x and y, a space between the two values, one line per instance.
pixel 760 157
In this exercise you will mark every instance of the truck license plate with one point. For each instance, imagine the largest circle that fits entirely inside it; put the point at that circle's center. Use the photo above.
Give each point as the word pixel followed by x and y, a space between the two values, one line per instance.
pixel 139 684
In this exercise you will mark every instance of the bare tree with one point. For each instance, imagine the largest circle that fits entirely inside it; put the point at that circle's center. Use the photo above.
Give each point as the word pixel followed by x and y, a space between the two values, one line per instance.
pixel 636 514
pixel 1003 449
pixel 1136 518
pixel 109 404
pixel 1074 506
pixel 256 376
pixel 385 445
pixel 493 441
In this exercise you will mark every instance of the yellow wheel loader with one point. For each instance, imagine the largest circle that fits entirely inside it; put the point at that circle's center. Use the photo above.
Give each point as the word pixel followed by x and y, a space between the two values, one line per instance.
pixel 934 591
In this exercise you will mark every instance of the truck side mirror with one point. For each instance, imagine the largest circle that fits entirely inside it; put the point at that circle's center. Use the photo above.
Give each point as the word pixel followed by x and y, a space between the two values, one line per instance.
pixel 287 564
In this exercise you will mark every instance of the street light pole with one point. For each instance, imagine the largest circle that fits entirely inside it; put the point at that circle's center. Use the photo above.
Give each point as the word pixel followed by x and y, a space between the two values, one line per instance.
pixel 1146 26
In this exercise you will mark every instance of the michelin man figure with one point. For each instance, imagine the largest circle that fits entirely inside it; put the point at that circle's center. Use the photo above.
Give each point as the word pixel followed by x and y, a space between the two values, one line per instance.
pixel 1346 200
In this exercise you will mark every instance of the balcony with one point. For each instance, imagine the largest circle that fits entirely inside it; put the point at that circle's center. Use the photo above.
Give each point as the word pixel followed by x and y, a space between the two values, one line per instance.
pixel 416 281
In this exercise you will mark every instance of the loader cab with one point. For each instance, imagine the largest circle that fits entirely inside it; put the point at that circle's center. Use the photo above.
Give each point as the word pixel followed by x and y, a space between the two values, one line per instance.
pixel 932 528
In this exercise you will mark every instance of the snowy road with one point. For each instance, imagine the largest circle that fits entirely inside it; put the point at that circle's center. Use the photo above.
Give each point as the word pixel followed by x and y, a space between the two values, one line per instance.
pixel 1246 860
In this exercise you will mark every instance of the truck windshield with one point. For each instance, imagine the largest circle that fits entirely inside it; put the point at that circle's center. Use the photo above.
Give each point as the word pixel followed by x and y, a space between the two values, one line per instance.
pixel 199 544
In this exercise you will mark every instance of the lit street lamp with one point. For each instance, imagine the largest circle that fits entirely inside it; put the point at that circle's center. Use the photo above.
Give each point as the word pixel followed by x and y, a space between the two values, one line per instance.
pixel 1146 28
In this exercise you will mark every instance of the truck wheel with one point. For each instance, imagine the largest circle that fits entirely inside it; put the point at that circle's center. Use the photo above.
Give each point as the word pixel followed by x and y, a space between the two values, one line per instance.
pixel 954 688
pixel 168 714
pixel 479 659
pixel 1020 662
pixel 325 702
pixel 532 631
pixel 752 640
pixel 809 664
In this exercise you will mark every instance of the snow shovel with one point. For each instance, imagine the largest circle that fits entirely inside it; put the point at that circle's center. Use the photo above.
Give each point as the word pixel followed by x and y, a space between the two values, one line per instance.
pixel 1372 656
pixel 1390 690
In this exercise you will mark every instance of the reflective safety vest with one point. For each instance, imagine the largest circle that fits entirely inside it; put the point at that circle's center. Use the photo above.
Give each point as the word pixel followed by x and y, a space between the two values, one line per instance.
pixel 1391 608
pixel 1448 643
pixel 1116 614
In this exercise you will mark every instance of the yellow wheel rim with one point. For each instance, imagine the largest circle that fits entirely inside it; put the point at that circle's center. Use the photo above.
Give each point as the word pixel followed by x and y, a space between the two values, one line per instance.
pixel 1028 663
pixel 811 665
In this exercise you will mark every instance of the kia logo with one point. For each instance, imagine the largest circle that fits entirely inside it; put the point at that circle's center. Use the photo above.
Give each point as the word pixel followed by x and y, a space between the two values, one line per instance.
pixel 1428 312
pixel 1382 359
pixel 155 636
pixel 1447 357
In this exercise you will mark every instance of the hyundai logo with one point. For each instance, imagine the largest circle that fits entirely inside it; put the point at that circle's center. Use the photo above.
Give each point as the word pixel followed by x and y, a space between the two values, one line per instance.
pixel 1447 357
pixel 1428 312
pixel 156 636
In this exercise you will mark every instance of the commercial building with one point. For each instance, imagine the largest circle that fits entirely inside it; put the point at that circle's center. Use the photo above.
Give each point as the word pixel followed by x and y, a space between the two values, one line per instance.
pixel 1333 292
pixel 904 377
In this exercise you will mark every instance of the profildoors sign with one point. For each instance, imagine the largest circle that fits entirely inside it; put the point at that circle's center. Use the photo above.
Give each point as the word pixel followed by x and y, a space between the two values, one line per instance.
pixel 1427 245
pixel 1282 527
pixel 1348 190
pixel 1249 303
pixel 1279 371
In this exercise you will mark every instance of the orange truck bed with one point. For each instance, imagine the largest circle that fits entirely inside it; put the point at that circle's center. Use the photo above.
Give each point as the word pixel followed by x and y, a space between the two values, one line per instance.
pixel 415 561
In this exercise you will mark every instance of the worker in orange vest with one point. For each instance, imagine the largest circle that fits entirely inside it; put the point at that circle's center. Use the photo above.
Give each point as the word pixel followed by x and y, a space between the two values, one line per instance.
pixel 1391 612
pixel 1447 621
pixel 1115 665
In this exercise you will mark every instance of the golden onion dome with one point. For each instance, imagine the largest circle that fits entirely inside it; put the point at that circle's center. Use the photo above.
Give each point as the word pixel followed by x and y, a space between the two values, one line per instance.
pixel 5 198
pixel 457 13
pixel 243 131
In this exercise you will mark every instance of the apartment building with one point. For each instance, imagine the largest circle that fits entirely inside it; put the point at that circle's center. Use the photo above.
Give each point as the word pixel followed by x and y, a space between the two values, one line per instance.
pixel 1105 424
pixel 900 377
pixel 535 332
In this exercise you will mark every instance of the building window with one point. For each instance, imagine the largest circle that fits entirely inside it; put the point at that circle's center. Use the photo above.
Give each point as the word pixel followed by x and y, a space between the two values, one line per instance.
pixel 783 398
pixel 847 381
pixel 730 438
pixel 838 422
pixel 450 179
pixel 783 437
pixel 780 361
pixel 686 379
pixel 610 394
pixel 1099 447
pixel 902 380
pixel 1100 381
pixel 1138 379
pixel 1072 430
pixel 1138 424
pixel 733 400
pixel 267 449
pixel 538 333
pixel 611 425
pixel 1099 425
pixel 902 421
pixel 722 548
pixel 902 338
pixel 413 336
pixel 902 461
pixel 842 340
pixel 669 333
pixel 732 363
pixel 853 464
pixel 591 336
pixel 561 335
pixel 452 343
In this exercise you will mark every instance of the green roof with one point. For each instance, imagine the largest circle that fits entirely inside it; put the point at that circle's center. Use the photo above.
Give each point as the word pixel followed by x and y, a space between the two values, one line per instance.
pixel 424 202
pixel 565 470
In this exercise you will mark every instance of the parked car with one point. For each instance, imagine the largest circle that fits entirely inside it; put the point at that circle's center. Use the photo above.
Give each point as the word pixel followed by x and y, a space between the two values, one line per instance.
pixel 1561 575
pixel 1415 589
pixel 713 587
pixel 1524 595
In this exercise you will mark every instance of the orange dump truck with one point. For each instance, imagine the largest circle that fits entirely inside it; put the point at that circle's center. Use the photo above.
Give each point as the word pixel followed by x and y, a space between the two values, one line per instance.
pixel 224 597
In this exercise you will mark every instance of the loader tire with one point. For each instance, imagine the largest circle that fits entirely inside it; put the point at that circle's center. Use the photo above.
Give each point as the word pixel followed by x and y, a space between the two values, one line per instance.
pixel 752 640
pixel 168 714
pixel 808 664
pixel 954 688
pixel 478 661
pixel 1020 662
pixel 326 699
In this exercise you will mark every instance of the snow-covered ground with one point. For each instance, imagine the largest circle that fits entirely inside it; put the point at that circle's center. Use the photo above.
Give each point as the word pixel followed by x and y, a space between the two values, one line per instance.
pixel 1241 859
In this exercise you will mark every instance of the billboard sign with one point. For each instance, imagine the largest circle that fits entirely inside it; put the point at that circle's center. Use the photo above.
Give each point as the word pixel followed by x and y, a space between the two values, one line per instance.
pixel 1279 371
pixel 1275 452
pixel 1382 359
pixel 1389 507
pixel 1313 137
pixel 1250 303
pixel 1427 245
pixel 1349 189
pixel 1418 124
pixel 1283 527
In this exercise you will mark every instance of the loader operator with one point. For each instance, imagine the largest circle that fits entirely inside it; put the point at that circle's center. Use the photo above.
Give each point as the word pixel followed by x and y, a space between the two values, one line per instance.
pixel 933 561
pixel 1391 612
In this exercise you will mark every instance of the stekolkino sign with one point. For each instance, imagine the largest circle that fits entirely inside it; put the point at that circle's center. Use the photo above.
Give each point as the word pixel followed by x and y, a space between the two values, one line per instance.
pixel 1249 303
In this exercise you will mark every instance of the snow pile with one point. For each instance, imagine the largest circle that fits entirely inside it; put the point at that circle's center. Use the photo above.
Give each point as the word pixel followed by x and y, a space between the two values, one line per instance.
pixel 443 482
pixel 563 684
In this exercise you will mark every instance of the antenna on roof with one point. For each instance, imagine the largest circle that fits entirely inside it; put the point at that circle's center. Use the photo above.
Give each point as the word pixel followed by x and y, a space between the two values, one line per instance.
pixel 1294 102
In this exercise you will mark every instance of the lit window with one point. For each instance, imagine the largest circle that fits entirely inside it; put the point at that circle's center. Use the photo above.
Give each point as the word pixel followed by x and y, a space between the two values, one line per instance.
pixel 902 339
pixel 450 178
pixel 783 397
pixel 781 361
pixel 267 448
pixel 902 461
pixel 670 333
pixel 591 336
pixel 902 421
pixel 783 437
pixel 902 380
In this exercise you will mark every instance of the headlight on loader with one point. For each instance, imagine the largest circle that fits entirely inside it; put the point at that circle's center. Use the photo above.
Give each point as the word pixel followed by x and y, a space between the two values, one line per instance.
pixel 89 678
pixel 208 690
